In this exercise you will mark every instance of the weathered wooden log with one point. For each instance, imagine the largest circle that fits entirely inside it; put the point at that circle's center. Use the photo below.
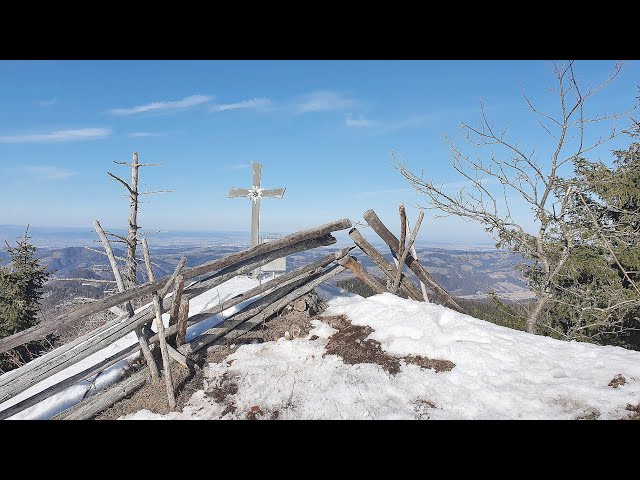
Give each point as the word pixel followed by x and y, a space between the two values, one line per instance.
pixel 405 252
pixel 248 311
pixel 146 351
pixel 423 287
pixel 389 270
pixel 43 367
pixel 274 307
pixel 39 331
pixel 20 379
pixel 171 282
pixel 173 353
pixel 390 239
pixel 253 263
pixel 177 297
pixel 183 318
pixel 67 382
pixel 166 362
pixel 117 311
pixel 352 264
pixel 243 321
pixel 271 246
pixel 279 281
pixel 97 403
pixel 403 230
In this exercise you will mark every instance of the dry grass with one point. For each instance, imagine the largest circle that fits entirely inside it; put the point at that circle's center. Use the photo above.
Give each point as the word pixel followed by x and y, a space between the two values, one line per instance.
pixel 351 345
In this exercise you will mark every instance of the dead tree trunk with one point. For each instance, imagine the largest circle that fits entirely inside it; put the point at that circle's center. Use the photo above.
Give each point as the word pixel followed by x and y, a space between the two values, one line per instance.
pixel 132 237
pixel 132 231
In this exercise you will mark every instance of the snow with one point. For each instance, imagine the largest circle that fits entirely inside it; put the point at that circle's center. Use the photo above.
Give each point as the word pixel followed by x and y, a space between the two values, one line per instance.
pixel 499 374
pixel 73 394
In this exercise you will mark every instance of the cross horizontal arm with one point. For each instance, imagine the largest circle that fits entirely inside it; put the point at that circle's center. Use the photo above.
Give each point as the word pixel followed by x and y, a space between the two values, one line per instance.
pixel 274 192
pixel 238 192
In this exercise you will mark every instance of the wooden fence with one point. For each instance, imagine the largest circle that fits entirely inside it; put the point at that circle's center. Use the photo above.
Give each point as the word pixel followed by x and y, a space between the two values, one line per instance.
pixel 171 295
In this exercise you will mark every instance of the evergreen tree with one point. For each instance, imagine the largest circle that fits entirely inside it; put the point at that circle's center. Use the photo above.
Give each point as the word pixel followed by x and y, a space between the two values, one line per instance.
pixel 595 296
pixel 20 292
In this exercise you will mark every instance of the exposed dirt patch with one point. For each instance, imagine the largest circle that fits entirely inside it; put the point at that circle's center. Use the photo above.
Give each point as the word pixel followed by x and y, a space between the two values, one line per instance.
pixel 351 345
pixel 153 395
pixel 617 381
pixel 424 362
pixel 422 408
pixel 223 388
pixel 635 412
pixel 593 414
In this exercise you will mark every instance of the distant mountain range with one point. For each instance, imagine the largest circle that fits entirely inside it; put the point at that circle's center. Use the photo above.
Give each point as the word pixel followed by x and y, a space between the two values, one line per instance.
pixel 467 271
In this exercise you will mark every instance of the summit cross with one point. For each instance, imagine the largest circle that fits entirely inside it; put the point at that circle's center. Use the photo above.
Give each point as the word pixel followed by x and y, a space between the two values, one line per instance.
pixel 255 193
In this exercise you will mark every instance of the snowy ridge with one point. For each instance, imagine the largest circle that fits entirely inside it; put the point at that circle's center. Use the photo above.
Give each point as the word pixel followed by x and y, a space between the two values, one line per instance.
pixel 499 374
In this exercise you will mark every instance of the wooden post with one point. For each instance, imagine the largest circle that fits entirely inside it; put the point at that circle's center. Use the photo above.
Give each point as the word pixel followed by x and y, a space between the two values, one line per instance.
pixel 389 270
pixel 423 287
pixel 403 230
pixel 183 316
pixel 352 264
pixel 144 346
pixel 177 297
pixel 405 252
pixel 166 363
pixel 392 241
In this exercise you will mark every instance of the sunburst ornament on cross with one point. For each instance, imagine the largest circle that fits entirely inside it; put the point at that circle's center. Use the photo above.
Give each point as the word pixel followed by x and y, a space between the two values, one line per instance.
pixel 255 193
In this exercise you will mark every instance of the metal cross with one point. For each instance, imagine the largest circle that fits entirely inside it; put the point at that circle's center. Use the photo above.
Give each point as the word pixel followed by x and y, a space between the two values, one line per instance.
pixel 255 193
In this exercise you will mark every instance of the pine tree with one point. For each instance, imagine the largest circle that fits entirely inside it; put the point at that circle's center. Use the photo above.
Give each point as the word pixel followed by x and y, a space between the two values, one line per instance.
pixel 21 286
pixel 595 297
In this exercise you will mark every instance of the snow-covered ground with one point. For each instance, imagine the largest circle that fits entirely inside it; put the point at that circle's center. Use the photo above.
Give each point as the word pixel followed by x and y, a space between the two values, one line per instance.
pixel 499 374
pixel 72 395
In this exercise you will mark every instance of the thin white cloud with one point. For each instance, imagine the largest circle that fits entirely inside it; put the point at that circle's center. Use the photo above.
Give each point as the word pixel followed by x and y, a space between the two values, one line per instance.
pixel 324 101
pixel 58 136
pixel 187 102
pixel 145 134
pixel 47 103
pixel 385 127
pixel 409 122
pixel 360 122
pixel 47 172
pixel 254 103
pixel 239 166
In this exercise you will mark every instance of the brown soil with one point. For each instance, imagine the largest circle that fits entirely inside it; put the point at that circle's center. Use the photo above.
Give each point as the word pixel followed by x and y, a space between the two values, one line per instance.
pixel 351 345
pixel 635 412
pixel 153 396
pixel 617 381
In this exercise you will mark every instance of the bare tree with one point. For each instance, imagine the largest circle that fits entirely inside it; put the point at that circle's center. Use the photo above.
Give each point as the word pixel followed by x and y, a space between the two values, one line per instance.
pixel 511 173
pixel 131 241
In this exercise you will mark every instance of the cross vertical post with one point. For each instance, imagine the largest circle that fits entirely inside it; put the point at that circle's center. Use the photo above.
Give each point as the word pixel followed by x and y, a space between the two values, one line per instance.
pixel 255 193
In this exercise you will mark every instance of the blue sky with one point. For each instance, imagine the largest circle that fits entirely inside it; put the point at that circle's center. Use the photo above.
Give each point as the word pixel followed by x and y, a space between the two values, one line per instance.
pixel 322 129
